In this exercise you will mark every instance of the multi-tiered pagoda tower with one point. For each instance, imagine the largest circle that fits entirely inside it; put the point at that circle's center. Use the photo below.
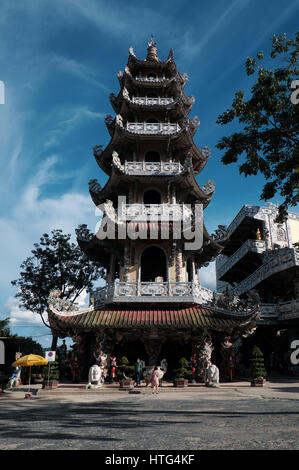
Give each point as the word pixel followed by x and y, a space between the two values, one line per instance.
pixel 152 305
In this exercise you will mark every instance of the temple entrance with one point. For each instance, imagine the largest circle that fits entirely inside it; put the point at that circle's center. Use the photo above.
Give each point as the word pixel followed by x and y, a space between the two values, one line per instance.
pixel 153 264
pixel 152 196
pixel 174 350
pixel 131 350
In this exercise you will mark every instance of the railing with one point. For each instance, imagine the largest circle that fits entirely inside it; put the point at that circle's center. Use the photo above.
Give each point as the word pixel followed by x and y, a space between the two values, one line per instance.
pixel 281 310
pixel 278 261
pixel 159 128
pixel 152 79
pixel 147 101
pixel 154 212
pixel 257 246
pixel 153 168
pixel 151 292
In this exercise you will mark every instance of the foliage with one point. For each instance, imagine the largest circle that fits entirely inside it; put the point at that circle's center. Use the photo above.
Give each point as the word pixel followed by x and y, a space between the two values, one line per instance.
pixel 58 264
pixel 257 365
pixel 269 139
pixel 15 343
pixel 124 368
pixel 183 372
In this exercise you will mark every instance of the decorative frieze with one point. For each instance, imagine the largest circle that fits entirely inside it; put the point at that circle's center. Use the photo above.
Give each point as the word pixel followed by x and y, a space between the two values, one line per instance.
pixel 147 101
pixel 152 128
pixel 151 291
pixel 153 168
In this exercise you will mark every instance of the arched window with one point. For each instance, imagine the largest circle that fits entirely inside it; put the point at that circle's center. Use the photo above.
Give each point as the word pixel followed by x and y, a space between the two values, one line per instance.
pixel 152 156
pixel 153 264
pixel 152 196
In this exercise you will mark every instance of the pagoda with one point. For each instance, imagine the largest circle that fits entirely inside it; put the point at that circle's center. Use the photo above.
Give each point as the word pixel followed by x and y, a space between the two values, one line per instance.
pixel 152 305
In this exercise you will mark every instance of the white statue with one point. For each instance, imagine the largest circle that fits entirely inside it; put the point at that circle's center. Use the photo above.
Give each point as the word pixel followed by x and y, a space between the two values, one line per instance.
pixel 95 377
pixel 15 379
pixel 212 375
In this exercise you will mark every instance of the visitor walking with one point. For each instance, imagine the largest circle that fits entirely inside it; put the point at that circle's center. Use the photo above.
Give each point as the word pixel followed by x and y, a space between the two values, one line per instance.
pixel 138 371
pixel 155 380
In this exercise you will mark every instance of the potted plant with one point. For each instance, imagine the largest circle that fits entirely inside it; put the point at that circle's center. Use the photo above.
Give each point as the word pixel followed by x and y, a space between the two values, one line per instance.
pixel 126 382
pixel 182 374
pixel 124 373
pixel 257 368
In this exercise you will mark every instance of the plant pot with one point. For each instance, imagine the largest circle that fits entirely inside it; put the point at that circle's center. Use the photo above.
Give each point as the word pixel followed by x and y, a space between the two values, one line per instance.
pixel 51 384
pixel 180 383
pixel 127 384
pixel 258 382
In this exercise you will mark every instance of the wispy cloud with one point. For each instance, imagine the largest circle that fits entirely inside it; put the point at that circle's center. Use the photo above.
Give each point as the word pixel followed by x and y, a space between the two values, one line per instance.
pixel 67 120
pixel 190 46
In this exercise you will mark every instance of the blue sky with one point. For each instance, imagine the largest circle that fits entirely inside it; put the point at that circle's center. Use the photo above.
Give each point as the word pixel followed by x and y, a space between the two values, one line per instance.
pixel 59 61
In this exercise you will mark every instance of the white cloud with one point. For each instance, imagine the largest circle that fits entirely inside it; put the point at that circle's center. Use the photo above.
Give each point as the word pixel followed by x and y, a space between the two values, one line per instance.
pixel 21 317
pixel 207 276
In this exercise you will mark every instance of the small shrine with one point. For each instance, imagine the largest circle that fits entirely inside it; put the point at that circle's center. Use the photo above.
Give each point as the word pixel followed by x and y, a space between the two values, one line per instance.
pixel 152 238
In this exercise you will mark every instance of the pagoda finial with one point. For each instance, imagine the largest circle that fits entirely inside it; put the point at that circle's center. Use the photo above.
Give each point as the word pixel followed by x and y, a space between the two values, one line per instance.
pixel 152 42
pixel 152 50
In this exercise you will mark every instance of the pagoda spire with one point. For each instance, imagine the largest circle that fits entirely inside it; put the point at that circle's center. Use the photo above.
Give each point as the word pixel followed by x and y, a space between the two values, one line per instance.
pixel 152 51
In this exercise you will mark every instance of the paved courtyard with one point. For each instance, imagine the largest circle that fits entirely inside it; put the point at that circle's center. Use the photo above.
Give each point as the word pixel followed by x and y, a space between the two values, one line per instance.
pixel 235 416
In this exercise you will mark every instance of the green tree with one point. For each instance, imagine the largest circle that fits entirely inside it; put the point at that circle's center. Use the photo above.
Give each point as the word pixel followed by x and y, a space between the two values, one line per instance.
pixel 268 140
pixel 56 263
pixel 257 364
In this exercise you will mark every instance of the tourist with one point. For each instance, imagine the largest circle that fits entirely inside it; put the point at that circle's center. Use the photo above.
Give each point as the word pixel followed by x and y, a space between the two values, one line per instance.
pixel 138 371
pixel 155 380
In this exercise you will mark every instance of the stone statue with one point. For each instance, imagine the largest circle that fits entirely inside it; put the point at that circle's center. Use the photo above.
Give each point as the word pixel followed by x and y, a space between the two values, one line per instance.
pixel 95 377
pixel 212 375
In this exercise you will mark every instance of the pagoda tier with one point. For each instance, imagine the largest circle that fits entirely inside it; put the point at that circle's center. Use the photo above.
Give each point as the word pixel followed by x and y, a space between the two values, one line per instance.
pixel 129 144
pixel 128 104
pixel 147 173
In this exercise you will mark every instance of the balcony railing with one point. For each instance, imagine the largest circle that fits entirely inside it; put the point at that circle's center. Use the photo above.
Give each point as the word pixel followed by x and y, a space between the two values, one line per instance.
pixel 224 264
pixel 152 79
pixel 158 128
pixel 281 311
pixel 151 292
pixel 147 101
pixel 154 212
pixel 153 168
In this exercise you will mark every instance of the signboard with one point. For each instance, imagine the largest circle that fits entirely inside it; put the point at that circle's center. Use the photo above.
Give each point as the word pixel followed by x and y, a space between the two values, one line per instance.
pixel 50 356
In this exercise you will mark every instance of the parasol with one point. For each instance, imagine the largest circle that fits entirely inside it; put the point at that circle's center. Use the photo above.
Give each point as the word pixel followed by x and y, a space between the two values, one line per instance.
pixel 30 360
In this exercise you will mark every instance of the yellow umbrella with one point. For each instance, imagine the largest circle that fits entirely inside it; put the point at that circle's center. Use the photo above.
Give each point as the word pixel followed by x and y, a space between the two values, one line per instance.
pixel 30 360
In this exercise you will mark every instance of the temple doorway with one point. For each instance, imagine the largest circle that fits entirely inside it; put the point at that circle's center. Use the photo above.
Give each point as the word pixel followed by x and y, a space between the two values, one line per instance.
pixel 153 264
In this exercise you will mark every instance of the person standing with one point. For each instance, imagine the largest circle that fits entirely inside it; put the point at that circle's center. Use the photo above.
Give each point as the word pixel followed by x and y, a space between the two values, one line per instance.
pixel 155 380
pixel 138 371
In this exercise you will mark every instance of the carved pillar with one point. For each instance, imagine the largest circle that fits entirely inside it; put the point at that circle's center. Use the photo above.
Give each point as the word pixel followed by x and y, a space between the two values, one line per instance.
pixel 126 262
pixel 153 344
pixel 202 350
pixel 179 265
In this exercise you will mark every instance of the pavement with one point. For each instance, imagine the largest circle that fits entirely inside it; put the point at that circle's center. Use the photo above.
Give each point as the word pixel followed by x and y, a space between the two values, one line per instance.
pixel 280 387
pixel 234 416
